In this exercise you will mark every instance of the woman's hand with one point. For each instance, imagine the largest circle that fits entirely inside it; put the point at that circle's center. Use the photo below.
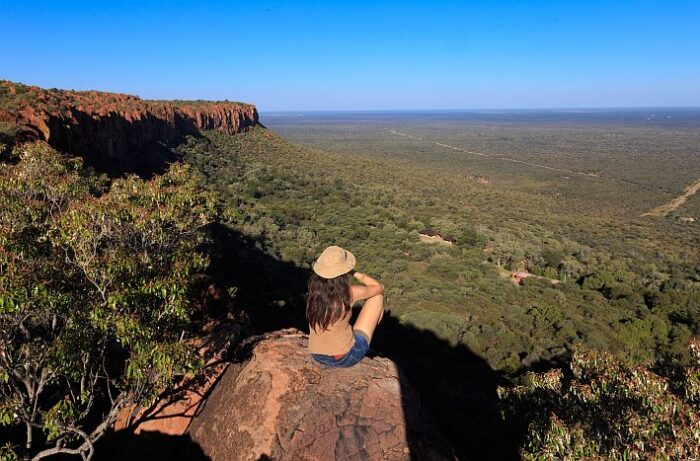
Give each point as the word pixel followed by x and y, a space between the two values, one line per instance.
pixel 371 288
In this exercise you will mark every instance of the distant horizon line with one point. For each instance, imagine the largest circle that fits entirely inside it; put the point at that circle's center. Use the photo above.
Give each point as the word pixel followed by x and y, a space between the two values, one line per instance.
pixel 511 109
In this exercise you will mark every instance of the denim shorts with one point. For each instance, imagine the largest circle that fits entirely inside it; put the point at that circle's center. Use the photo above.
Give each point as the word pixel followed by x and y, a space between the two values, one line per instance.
pixel 353 356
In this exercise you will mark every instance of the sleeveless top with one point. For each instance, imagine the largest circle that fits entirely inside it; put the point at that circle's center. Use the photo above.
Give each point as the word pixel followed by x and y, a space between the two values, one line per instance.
pixel 338 339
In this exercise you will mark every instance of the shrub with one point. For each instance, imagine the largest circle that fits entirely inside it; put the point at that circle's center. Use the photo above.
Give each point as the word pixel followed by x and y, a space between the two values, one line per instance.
pixel 94 305
pixel 603 408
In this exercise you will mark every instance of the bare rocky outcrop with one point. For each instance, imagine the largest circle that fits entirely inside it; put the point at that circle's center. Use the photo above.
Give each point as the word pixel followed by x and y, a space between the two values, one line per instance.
pixel 281 405
pixel 121 131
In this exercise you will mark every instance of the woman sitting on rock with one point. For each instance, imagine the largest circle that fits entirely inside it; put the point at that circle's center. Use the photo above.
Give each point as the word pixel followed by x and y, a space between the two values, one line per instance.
pixel 332 341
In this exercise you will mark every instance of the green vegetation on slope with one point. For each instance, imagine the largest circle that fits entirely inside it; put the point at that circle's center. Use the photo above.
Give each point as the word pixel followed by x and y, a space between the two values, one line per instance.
pixel 627 286
pixel 620 294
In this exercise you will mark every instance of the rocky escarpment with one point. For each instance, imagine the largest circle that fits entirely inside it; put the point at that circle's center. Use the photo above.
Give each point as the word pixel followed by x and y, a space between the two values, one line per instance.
pixel 114 132
pixel 282 405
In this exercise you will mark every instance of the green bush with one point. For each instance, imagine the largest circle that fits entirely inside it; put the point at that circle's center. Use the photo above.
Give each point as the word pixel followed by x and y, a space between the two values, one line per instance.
pixel 604 408
pixel 94 294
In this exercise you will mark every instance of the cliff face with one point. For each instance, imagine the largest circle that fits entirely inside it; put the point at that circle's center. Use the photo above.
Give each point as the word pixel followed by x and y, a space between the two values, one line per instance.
pixel 114 132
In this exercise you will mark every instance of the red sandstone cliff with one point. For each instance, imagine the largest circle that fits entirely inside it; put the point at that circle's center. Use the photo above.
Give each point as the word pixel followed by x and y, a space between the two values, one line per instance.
pixel 114 131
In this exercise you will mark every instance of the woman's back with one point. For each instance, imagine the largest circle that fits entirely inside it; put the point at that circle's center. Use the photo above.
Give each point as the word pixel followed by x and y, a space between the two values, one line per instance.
pixel 337 339
pixel 332 341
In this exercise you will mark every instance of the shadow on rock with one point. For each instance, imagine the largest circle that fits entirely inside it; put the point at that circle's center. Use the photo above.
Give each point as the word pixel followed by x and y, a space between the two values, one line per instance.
pixel 147 446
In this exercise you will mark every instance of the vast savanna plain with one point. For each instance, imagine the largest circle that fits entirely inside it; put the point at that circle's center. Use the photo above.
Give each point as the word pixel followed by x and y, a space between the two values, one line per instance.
pixel 595 208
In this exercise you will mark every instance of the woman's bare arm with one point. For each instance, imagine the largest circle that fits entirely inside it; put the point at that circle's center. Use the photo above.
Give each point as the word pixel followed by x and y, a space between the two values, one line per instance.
pixel 369 287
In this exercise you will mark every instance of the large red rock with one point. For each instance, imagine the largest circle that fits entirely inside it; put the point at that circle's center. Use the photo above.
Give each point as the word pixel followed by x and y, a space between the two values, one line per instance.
pixel 281 405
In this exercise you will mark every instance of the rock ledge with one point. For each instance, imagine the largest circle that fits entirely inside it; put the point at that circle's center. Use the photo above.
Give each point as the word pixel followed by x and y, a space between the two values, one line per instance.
pixel 279 404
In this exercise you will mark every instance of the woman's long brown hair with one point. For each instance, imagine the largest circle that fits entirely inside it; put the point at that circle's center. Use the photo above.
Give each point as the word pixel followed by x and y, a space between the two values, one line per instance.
pixel 328 302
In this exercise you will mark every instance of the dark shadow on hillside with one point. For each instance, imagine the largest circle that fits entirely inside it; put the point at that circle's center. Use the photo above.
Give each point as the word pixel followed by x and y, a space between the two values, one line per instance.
pixel 456 386
pixel 118 145
pixel 269 290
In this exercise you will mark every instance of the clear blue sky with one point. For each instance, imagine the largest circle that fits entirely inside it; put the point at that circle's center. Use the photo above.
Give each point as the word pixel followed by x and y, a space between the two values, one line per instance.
pixel 288 55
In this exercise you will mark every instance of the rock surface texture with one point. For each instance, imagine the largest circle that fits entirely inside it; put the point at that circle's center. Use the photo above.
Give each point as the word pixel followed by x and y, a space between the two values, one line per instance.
pixel 112 128
pixel 281 405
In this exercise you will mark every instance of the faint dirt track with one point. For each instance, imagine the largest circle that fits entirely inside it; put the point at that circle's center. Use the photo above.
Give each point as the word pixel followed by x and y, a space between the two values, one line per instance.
pixel 666 208
pixel 498 157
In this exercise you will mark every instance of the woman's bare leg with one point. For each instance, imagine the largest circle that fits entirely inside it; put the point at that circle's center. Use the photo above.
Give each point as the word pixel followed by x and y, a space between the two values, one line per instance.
pixel 370 315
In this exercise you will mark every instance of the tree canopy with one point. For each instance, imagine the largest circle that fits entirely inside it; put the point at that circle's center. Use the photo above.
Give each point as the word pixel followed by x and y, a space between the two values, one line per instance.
pixel 94 294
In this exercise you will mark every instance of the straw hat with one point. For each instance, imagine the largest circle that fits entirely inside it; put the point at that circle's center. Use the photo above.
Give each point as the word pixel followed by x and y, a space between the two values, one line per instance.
pixel 334 261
